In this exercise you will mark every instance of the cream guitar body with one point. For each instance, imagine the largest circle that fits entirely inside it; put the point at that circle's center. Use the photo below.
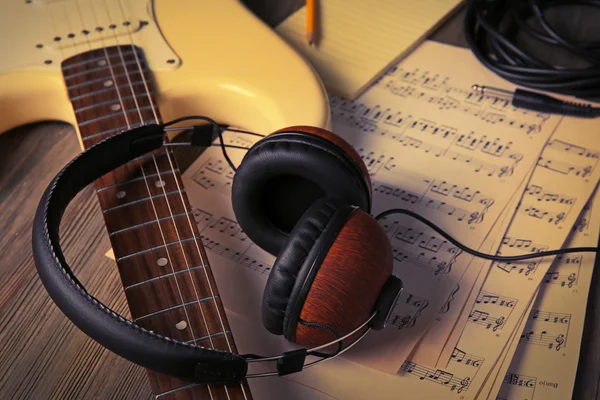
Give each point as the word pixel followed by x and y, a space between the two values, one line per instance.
pixel 210 57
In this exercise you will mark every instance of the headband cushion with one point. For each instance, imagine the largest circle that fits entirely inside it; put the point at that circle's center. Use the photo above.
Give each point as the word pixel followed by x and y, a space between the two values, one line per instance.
pixel 287 269
pixel 282 175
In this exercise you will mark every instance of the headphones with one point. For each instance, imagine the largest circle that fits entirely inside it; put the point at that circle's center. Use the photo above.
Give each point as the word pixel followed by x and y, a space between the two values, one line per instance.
pixel 304 195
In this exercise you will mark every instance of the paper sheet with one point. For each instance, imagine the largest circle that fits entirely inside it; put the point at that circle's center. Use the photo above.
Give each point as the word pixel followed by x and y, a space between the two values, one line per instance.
pixel 548 347
pixel 358 40
pixel 550 206
pixel 429 350
pixel 434 147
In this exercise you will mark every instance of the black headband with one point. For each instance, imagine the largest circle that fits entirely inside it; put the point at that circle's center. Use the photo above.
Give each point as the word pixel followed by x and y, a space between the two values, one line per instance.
pixel 118 334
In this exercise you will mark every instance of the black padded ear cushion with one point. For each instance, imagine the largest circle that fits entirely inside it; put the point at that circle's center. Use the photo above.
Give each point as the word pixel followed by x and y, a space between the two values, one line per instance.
pixel 287 266
pixel 282 175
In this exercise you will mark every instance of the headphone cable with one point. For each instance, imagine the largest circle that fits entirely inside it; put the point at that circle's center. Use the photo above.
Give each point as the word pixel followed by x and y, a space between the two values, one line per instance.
pixel 480 254
pixel 493 29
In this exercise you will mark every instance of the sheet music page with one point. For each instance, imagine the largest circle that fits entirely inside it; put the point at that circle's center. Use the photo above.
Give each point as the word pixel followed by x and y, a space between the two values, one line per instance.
pixel 431 145
pixel 562 183
pixel 456 159
pixel 550 337
pixel 429 349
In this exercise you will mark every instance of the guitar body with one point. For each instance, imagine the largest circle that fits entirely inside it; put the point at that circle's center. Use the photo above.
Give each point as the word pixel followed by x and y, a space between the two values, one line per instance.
pixel 207 57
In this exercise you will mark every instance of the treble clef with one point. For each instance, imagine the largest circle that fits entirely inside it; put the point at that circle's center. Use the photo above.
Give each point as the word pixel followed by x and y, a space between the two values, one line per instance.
pixel 572 279
pixel 560 340
pixel 464 384
pixel 499 323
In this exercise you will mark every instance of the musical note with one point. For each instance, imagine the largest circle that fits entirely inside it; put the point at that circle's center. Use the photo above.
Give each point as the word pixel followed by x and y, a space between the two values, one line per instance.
pixel 214 174
pixel 583 221
pixel 564 280
pixel 543 215
pixel 236 256
pixel 566 168
pixel 520 380
pixel 540 194
pixel 400 127
pixel 470 217
pixel 545 316
pixel 525 244
pixel 438 266
pixel 490 298
pixel 485 319
pixel 559 145
pixel 460 356
pixel 436 376
pixel 407 310
pixel 488 108
pixel 526 267
pixel 202 218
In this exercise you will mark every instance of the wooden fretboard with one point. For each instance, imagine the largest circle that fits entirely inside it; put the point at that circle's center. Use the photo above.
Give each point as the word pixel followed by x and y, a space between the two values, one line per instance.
pixel 164 269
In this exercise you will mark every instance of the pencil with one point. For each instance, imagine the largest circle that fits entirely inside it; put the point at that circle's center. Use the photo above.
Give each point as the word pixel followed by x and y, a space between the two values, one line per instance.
pixel 310 22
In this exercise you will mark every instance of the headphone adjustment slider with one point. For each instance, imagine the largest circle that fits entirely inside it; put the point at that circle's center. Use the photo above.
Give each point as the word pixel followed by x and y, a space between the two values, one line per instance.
pixel 291 362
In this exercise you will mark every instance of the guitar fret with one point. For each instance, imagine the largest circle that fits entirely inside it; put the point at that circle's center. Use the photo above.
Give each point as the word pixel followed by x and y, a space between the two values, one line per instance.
pixel 110 132
pixel 109 102
pixel 156 196
pixel 102 58
pixel 189 303
pixel 112 77
pixel 214 335
pixel 100 69
pixel 139 178
pixel 106 90
pixel 147 236
pixel 179 389
pixel 143 224
pixel 137 253
pixel 182 271
pixel 114 115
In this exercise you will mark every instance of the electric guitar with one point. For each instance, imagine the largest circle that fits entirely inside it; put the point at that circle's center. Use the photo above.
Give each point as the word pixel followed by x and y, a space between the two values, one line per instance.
pixel 105 66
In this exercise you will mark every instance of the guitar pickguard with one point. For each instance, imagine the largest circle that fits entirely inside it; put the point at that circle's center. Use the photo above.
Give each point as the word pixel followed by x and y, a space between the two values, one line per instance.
pixel 46 32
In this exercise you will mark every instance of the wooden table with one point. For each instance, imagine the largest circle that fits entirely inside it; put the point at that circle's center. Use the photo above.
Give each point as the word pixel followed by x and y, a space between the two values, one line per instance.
pixel 42 354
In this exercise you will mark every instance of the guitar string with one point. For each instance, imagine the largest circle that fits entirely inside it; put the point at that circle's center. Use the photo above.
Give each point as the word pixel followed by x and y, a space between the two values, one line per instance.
pixel 154 267
pixel 167 151
pixel 180 191
pixel 123 109
pixel 137 107
pixel 87 41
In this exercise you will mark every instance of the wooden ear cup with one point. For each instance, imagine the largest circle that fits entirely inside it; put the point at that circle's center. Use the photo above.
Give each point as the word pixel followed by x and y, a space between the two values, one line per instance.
pixel 347 284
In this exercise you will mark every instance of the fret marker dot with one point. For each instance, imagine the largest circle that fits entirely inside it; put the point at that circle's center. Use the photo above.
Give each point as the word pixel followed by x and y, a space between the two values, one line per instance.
pixel 101 63
pixel 161 262
pixel 181 325
pixel 115 107
pixel 108 83
pixel 120 194
pixel 159 184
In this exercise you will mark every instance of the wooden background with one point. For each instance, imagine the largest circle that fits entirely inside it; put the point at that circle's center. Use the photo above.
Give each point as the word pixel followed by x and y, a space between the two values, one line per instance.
pixel 42 355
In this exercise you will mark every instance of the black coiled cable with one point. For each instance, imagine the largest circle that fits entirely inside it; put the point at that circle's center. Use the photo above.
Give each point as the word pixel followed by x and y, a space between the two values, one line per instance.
pixel 491 29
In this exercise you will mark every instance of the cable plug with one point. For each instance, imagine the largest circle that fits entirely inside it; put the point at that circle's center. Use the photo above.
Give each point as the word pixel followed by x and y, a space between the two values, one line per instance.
pixel 542 103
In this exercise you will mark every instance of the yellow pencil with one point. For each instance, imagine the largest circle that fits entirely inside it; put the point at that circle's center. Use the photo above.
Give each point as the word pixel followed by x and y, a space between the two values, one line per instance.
pixel 310 22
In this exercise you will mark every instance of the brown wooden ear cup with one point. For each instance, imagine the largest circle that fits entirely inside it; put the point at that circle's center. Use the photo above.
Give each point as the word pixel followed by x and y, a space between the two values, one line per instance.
pixel 348 281
pixel 331 273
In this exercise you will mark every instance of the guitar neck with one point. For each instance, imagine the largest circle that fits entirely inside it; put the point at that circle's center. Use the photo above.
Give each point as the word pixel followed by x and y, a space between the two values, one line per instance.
pixel 163 266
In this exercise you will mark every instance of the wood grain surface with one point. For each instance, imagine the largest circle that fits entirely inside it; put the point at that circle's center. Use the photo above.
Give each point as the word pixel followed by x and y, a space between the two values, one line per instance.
pixel 362 254
pixel 42 354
